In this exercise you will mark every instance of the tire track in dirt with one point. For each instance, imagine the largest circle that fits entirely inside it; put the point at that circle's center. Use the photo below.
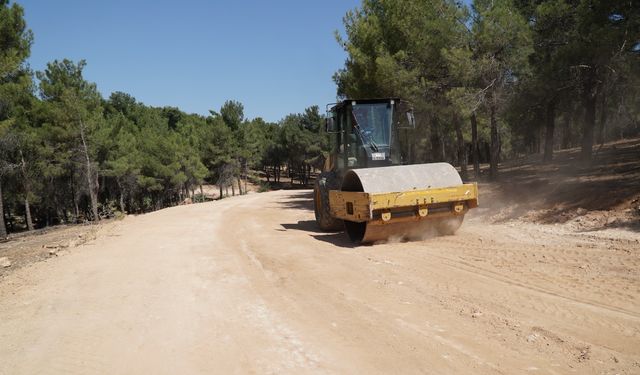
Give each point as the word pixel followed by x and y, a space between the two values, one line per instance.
pixel 554 272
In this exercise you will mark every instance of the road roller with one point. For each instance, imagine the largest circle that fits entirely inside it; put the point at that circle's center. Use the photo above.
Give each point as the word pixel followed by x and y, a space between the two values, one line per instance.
pixel 369 188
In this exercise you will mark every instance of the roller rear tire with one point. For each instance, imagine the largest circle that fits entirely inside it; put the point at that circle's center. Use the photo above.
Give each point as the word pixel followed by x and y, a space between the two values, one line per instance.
pixel 326 181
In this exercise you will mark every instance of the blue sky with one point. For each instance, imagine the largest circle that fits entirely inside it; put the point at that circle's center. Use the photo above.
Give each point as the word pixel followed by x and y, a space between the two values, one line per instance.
pixel 276 57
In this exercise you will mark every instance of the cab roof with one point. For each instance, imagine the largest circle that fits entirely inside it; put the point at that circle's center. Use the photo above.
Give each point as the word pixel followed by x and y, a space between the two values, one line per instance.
pixel 347 102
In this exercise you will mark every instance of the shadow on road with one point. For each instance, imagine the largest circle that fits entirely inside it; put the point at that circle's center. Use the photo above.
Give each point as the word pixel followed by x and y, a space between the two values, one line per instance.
pixel 301 200
pixel 310 227
pixel 339 239
pixel 304 225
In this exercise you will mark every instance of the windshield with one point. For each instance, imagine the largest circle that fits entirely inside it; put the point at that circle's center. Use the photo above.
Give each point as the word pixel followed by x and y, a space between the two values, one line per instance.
pixel 374 121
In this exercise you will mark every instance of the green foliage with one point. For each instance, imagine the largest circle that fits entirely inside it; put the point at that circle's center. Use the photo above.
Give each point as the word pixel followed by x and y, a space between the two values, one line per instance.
pixel 74 156
pixel 15 40
pixel 512 64
pixel 400 49
pixel 232 113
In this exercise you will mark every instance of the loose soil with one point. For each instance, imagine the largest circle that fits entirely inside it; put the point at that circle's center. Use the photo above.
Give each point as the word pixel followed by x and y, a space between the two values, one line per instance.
pixel 535 281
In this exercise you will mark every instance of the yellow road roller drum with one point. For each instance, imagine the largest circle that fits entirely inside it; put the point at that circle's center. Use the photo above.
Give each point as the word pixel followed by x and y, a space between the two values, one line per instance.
pixel 405 202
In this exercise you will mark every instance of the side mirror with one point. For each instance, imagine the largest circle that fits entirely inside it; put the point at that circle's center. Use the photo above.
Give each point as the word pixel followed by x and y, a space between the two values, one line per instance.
pixel 411 120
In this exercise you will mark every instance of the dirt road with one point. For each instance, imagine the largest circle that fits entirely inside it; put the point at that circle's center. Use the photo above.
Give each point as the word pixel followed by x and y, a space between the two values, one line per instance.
pixel 247 285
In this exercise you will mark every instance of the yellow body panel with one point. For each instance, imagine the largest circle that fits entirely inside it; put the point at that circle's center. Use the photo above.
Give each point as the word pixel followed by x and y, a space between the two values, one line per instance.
pixel 361 207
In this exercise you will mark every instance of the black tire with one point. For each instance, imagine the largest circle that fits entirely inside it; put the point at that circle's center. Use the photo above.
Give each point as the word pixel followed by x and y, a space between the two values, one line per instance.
pixel 326 181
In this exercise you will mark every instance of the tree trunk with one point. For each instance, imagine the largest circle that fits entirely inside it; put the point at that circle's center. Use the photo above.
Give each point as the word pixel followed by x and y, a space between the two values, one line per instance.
pixel 437 149
pixel 589 103
pixel 27 213
pixel 122 208
pixel 220 187
pixel 587 130
pixel 549 130
pixel 3 228
pixel 60 213
pixel 27 191
pixel 92 185
pixel 566 131
pixel 122 199
pixel 289 172
pixel 495 142
pixel 11 227
pixel 201 194
pixel 603 120
pixel 576 122
pixel 76 209
pixel 462 151
pixel 61 210
pixel 474 144
pixel 239 185
pixel 539 139
pixel 246 175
